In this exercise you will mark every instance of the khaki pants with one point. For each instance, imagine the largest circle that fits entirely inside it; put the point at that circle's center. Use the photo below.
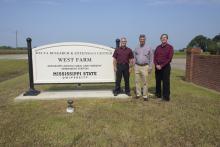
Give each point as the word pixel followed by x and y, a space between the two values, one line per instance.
pixel 141 76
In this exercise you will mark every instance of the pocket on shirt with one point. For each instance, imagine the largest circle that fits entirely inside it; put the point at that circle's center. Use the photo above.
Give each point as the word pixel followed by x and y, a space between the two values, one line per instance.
pixel 147 54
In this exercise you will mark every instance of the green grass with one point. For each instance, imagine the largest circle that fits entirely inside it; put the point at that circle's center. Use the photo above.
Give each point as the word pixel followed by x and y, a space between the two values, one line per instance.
pixel 13 51
pixel 191 118
pixel 178 54
pixel 12 68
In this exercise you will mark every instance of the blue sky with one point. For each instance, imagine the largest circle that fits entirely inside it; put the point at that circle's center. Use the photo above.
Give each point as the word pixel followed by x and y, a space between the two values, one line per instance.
pixel 102 21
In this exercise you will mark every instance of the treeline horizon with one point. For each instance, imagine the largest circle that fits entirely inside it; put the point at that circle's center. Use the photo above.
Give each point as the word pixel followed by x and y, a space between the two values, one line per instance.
pixel 9 47
pixel 211 45
pixel 207 44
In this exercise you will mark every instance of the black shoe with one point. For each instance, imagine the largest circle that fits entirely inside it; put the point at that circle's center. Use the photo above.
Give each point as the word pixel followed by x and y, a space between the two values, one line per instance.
pixel 145 99
pixel 167 99
pixel 158 96
pixel 128 93
pixel 137 96
pixel 115 93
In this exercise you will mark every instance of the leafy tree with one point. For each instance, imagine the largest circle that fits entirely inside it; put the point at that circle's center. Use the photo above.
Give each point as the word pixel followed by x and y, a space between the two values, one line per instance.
pixel 199 41
pixel 206 44
pixel 212 46
pixel 216 39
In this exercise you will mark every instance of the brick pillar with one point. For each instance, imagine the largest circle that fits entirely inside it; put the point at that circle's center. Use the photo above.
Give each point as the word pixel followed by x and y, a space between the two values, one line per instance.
pixel 189 62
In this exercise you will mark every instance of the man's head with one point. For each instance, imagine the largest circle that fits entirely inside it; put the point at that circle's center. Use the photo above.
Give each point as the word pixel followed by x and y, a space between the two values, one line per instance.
pixel 164 38
pixel 142 39
pixel 123 42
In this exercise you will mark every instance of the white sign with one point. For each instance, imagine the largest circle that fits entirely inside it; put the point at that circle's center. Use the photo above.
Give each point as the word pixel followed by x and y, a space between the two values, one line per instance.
pixel 73 62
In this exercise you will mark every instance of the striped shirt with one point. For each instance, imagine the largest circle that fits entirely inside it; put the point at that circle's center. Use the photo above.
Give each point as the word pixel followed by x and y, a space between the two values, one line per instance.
pixel 144 55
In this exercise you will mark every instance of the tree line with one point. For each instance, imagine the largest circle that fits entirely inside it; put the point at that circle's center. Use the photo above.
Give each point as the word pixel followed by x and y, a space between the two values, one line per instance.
pixel 12 48
pixel 211 45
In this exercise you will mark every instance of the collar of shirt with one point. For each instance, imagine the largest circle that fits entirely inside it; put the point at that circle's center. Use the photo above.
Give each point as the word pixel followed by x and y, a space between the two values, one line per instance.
pixel 143 47
pixel 164 44
pixel 123 47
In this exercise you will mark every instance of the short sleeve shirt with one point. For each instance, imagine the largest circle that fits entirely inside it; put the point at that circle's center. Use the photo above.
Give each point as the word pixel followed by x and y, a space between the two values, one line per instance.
pixel 123 55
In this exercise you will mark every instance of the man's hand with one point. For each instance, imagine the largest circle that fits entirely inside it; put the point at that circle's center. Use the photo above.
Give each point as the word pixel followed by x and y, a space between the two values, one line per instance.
pixel 115 69
pixel 130 70
pixel 115 64
pixel 158 67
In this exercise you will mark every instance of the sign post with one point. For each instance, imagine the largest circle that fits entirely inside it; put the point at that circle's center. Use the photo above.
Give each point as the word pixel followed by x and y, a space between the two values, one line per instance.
pixel 117 43
pixel 31 91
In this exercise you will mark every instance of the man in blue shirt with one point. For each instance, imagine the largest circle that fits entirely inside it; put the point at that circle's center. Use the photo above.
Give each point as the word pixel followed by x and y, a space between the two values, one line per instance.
pixel 143 56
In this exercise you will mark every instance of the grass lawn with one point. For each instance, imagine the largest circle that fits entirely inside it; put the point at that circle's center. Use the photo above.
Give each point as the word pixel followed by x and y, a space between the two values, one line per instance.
pixel 191 118
pixel 178 54
pixel 12 51
pixel 12 68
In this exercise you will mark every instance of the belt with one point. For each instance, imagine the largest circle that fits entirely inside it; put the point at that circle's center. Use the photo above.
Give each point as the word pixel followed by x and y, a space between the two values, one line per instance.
pixel 142 64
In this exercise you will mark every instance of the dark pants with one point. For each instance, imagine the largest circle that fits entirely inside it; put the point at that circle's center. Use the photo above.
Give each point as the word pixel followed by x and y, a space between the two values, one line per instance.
pixel 122 70
pixel 163 75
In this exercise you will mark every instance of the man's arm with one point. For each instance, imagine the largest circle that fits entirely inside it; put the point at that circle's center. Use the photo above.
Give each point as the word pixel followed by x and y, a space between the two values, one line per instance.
pixel 114 60
pixel 134 56
pixel 155 56
pixel 155 60
pixel 115 64
pixel 170 56
pixel 151 59
pixel 131 60
pixel 131 63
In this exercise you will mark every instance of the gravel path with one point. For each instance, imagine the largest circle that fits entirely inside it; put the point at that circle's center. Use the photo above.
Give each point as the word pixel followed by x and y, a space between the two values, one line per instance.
pixel 179 63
